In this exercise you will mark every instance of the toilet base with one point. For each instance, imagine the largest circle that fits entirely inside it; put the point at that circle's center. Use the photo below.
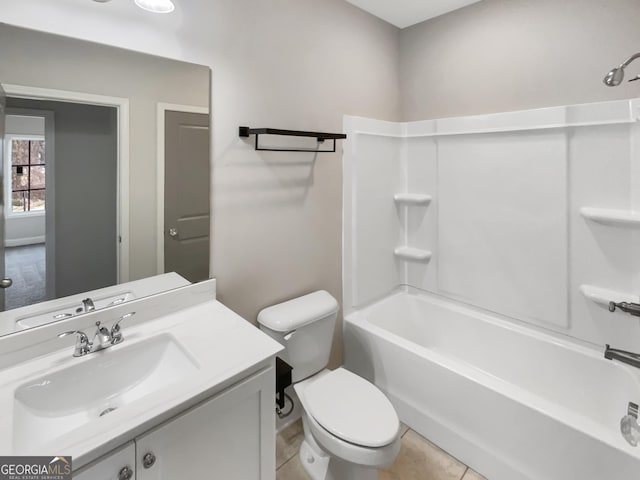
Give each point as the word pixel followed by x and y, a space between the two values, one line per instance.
pixel 321 466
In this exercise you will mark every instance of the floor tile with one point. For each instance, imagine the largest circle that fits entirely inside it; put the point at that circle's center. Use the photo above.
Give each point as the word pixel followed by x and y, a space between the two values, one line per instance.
pixel 292 470
pixel 421 460
pixel 471 475
pixel 403 429
pixel 288 442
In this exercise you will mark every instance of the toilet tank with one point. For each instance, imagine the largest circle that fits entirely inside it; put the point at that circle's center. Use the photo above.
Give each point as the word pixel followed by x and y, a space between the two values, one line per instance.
pixel 304 326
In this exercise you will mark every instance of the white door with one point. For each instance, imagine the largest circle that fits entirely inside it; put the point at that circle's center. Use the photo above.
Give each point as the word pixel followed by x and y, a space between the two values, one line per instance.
pixel 186 192
pixel 230 437
pixel 119 465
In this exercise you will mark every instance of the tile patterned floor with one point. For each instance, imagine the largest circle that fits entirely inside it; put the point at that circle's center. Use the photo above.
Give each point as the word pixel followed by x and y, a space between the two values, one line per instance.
pixel 419 459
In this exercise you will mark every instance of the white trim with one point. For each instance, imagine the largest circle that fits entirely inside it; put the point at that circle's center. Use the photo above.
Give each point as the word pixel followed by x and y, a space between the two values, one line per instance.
pixel 618 112
pixel 122 106
pixel 19 242
pixel 161 110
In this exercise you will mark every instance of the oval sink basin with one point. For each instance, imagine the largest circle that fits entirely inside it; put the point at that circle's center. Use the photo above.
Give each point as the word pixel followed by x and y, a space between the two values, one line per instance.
pixel 50 406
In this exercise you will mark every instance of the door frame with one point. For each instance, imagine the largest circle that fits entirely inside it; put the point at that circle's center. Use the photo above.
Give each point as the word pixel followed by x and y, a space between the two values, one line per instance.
pixel 162 108
pixel 121 105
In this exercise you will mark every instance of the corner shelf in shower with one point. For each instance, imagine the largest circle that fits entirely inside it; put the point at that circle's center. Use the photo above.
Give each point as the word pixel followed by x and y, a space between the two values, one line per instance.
pixel 622 218
pixel 412 199
pixel 602 296
pixel 412 254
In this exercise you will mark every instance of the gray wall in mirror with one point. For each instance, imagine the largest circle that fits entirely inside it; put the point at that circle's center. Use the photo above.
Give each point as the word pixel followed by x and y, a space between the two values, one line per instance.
pixel 85 207
pixel 35 59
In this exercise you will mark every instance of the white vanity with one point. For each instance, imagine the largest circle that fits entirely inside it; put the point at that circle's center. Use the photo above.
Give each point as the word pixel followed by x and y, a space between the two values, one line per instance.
pixel 189 392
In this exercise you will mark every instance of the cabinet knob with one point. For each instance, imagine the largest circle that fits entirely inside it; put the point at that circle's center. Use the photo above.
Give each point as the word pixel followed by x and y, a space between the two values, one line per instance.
pixel 125 474
pixel 148 460
pixel 173 232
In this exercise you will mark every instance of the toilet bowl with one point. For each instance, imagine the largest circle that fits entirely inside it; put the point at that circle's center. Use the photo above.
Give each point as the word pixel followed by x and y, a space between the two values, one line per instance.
pixel 351 429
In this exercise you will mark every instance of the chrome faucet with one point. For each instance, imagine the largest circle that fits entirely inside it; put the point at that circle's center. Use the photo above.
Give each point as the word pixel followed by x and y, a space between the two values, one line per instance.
pixel 83 346
pixel 627 307
pixel 103 338
pixel 87 305
pixel 629 358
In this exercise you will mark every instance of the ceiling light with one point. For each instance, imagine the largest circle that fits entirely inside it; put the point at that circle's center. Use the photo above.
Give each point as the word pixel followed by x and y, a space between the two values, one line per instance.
pixel 156 6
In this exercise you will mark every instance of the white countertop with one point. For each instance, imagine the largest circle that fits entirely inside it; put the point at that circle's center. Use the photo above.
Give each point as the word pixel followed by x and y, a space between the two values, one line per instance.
pixel 225 347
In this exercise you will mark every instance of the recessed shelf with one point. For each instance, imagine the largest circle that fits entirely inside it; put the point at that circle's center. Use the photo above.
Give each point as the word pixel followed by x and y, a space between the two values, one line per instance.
pixel 412 198
pixel 602 296
pixel 623 218
pixel 412 254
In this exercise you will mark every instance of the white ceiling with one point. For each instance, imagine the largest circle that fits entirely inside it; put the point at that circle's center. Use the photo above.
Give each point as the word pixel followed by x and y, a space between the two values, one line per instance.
pixel 404 13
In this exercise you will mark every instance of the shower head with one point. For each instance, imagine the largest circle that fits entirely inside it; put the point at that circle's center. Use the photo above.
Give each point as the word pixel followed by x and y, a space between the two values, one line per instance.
pixel 615 76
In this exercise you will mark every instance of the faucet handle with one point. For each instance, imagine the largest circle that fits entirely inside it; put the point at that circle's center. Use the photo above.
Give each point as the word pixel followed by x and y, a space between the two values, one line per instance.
pixel 82 342
pixel 116 334
pixel 81 335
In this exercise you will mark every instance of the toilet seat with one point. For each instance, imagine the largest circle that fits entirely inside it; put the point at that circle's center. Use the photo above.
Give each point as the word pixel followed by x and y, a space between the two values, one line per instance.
pixel 376 457
pixel 352 409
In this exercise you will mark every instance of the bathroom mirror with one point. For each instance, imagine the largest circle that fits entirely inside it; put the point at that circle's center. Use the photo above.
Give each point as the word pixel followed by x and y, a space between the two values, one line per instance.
pixel 106 169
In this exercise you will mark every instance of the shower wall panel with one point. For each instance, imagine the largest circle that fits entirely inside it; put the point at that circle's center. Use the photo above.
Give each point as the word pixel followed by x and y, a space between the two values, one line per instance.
pixel 533 215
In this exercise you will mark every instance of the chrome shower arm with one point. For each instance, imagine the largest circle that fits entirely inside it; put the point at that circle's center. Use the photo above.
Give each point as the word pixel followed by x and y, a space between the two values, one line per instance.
pixel 627 62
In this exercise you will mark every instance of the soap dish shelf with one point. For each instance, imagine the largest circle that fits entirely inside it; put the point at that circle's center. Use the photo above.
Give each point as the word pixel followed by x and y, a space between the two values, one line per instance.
pixel 602 296
pixel 412 254
pixel 412 199
pixel 622 218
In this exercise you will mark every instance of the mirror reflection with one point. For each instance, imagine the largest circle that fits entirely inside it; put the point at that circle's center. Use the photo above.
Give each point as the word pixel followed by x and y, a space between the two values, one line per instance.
pixel 106 176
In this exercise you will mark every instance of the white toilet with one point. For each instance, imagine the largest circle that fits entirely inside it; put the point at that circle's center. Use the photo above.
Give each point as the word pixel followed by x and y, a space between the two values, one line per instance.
pixel 350 427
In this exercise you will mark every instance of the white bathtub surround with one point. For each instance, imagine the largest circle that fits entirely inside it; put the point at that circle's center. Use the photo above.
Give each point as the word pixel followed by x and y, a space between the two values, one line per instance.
pixel 524 208
pixel 493 348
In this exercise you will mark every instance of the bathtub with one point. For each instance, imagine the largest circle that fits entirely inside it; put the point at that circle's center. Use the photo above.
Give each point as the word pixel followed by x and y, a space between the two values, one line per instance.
pixel 511 402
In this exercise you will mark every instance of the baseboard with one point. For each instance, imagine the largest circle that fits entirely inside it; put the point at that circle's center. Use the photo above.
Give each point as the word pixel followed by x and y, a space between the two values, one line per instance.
pixel 20 242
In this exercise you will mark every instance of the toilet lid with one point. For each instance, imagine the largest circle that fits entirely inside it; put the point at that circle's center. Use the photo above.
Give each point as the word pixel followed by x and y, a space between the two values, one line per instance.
pixel 352 409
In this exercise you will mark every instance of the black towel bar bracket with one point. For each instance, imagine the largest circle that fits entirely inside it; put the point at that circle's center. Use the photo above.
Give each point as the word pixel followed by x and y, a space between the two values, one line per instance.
pixel 319 136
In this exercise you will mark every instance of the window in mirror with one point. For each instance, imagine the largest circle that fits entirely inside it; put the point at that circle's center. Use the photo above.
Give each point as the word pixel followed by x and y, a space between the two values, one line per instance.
pixel 26 162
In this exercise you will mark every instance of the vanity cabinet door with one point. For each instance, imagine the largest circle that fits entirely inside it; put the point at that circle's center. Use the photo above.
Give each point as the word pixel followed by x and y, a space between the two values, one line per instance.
pixel 119 465
pixel 230 436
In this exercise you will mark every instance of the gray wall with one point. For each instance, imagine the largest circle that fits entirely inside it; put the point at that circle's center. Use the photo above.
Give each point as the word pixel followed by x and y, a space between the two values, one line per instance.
pixel 85 174
pixel 41 60
pixel 501 55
